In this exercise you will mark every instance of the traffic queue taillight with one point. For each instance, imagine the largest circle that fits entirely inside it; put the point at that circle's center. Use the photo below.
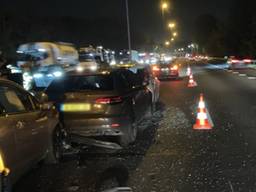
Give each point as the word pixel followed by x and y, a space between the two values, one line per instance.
pixel 108 100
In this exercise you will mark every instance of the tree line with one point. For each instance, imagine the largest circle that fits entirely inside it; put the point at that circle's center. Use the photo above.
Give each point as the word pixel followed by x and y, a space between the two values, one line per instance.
pixel 234 36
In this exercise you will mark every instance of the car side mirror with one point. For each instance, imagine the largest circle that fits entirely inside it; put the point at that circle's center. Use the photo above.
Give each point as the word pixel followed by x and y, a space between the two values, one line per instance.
pixel 42 97
pixel 46 106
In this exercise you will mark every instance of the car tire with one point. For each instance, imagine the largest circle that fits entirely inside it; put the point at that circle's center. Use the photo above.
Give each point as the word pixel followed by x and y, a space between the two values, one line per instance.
pixel 55 152
pixel 150 111
pixel 130 136
pixel 5 184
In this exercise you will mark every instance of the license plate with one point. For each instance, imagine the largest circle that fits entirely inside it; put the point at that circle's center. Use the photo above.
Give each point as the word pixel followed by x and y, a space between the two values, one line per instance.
pixel 75 107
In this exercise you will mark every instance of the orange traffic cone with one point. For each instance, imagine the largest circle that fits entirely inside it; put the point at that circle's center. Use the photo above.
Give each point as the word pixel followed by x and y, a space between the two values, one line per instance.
pixel 191 81
pixel 203 120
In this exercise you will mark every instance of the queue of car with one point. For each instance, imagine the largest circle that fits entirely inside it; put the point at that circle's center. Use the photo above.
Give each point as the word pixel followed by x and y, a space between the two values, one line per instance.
pixel 166 71
pixel 239 62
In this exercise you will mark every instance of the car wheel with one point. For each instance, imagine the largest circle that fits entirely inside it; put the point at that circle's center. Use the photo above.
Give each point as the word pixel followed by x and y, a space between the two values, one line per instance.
pixel 130 136
pixel 154 106
pixel 150 111
pixel 5 183
pixel 55 153
pixel 133 132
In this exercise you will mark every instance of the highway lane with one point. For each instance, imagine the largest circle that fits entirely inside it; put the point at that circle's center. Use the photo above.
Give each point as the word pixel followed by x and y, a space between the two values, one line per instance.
pixel 169 155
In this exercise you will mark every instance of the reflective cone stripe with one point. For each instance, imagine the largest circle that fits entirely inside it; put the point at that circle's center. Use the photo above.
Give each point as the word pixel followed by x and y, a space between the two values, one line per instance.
pixel 191 82
pixel 188 71
pixel 201 104
pixel 203 119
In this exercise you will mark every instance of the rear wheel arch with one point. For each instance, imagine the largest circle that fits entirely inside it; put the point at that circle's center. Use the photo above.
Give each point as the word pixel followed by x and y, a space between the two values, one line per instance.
pixel 54 154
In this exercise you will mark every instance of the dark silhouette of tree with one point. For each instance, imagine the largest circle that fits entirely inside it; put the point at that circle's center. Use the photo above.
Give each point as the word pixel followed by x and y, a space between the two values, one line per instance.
pixel 242 29
pixel 209 34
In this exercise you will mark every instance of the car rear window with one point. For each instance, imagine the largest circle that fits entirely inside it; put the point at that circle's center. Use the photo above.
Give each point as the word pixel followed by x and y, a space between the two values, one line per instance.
pixel 83 83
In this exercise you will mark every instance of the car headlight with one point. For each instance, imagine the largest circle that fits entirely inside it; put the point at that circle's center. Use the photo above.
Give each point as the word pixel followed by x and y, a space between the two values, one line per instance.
pixel 57 73
pixel 79 68
pixel 93 68
pixel 38 75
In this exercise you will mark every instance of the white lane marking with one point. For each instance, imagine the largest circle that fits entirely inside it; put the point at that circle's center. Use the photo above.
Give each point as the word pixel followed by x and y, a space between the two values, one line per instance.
pixel 252 78
pixel 235 72
pixel 231 186
pixel 242 75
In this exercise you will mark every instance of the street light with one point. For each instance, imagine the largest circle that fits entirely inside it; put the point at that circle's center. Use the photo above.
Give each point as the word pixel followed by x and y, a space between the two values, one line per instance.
pixel 164 6
pixel 175 34
pixel 171 25
pixel 172 39
pixel 167 43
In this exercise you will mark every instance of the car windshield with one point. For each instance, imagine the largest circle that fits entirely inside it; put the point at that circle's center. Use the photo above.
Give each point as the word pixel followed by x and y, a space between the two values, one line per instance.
pixel 154 95
pixel 31 56
pixel 83 83
pixel 86 57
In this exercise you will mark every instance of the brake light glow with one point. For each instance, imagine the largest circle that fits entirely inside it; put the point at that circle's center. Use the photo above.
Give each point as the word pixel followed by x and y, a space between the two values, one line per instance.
pixel 114 125
pixel 155 68
pixel 247 60
pixel 235 61
pixel 108 100
pixel 175 67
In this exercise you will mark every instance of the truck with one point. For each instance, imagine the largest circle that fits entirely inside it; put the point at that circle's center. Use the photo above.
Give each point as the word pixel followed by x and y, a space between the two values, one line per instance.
pixel 41 62
pixel 91 58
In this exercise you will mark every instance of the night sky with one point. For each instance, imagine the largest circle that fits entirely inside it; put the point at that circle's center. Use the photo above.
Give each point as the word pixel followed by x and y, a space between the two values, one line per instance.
pixel 145 14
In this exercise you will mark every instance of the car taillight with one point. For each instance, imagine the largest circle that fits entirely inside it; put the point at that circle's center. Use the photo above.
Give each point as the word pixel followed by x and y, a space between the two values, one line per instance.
pixel 155 68
pixel 247 60
pixel 175 67
pixel 235 61
pixel 115 125
pixel 108 100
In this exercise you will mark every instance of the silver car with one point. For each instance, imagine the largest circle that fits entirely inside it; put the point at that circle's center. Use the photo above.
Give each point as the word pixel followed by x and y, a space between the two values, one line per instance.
pixel 29 132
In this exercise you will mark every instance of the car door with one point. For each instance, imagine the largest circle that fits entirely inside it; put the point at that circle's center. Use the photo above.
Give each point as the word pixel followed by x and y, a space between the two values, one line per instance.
pixel 38 121
pixel 8 148
pixel 138 94
pixel 18 120
pixel 147 90
pixel 23 120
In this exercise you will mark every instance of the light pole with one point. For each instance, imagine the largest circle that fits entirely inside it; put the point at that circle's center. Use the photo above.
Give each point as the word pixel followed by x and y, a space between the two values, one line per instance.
pixel 128 29
pixel 164 6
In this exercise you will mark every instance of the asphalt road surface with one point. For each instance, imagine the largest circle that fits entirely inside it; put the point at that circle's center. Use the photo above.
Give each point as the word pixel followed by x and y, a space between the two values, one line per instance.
pixel 169 155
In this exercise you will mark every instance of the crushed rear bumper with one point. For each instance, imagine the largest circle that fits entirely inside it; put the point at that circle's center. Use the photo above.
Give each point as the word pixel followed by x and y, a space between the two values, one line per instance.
pixel 94 142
